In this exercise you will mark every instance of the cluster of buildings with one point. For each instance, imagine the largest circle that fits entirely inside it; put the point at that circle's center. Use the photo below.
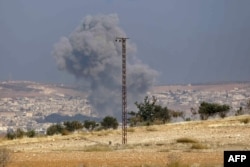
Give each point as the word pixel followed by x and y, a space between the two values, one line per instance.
pixel 190 98
pixel 23 112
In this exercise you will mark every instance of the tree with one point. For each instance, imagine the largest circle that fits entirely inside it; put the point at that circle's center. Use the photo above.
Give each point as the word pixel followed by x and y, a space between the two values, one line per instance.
pixel 90 125
pixel 109 122
pixel 210 109
pixel 31 133
pixel 146 109
pixel 72 126
pixel 54 129
pixel 20 133
pixel 133 119
pixel 161 114
pixel 10 134
pixel 149 112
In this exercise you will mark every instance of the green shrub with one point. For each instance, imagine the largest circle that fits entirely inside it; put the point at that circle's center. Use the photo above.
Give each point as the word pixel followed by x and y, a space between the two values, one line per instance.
pixel 109 122
pixel 222 114
pixel 210 109
pixel 20 133
pixel 90 125
pixel 73 125
pixel 149 111
pixel 54 129
pixel 31 133
pixel 11 135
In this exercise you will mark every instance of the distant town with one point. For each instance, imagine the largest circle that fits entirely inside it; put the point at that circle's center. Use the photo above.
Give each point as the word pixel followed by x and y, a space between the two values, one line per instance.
pixel 25 104
pixel 186 97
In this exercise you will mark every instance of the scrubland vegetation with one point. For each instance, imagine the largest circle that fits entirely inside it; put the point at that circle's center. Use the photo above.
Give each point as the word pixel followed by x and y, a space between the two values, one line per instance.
pixel 176 144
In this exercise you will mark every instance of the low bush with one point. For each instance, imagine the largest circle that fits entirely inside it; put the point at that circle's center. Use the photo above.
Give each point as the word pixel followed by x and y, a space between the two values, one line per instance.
pixel 31 133
pixel 210 109
pixel 109 122
pixel 54 129
pixel 65 132
pixel 11 135
pixel 186 140
pixel 19 133
pixel 90 125
pixel 160 144
pixel 73 125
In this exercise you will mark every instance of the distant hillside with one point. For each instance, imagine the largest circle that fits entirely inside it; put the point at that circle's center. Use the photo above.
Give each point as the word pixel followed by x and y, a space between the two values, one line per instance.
pixel 202 87
pixel 29 89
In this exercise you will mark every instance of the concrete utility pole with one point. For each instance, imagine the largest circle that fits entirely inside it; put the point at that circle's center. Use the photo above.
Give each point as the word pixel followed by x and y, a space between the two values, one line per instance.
pixel 124 90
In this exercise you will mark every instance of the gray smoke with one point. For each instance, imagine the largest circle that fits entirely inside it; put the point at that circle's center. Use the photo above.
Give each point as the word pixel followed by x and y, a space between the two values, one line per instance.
pixel 91 54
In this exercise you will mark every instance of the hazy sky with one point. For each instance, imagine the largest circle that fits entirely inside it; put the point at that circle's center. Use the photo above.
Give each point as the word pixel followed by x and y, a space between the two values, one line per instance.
pixel 187 41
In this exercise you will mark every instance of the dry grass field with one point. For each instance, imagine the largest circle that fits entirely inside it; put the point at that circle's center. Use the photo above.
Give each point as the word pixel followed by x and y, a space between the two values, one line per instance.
pixel 195 144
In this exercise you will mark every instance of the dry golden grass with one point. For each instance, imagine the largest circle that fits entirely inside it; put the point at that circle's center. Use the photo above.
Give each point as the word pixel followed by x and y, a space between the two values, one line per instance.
pixel 131 129
pixel 148 145
pixel 198 146
pixel 151 128
pixel 245 120
pixel 98 148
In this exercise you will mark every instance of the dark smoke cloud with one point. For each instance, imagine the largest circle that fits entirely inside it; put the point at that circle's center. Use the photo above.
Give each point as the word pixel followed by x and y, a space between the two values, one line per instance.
pixel 91 54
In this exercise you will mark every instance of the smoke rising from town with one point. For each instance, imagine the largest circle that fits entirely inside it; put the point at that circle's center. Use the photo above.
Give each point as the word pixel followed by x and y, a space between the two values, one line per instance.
pixel 91 54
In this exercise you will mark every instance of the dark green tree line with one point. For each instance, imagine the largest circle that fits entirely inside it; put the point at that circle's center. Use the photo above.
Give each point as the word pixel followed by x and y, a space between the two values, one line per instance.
pixel 210 109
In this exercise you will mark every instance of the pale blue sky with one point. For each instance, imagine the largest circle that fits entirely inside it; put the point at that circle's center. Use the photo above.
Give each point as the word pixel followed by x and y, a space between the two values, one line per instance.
pixel 187 41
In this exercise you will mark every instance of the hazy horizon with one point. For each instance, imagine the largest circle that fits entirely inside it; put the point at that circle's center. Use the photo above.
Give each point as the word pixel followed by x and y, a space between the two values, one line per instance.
pixel 194 41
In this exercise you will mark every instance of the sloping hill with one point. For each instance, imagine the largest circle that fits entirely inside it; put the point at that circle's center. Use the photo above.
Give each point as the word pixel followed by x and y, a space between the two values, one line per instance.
pixel 198 142
pixel 31 89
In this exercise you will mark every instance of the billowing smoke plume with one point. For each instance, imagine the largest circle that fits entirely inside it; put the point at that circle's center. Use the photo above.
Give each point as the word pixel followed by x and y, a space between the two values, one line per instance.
pixel 91 54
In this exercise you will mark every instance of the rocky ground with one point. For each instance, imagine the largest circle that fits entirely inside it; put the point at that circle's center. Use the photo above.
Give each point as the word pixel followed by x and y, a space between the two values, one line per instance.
pixel 198 143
